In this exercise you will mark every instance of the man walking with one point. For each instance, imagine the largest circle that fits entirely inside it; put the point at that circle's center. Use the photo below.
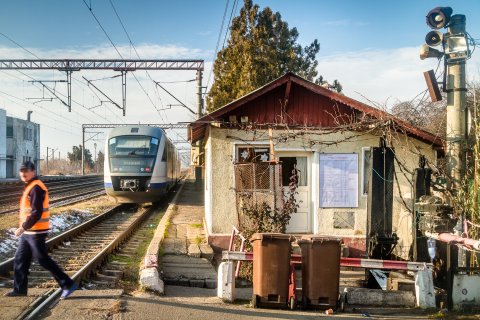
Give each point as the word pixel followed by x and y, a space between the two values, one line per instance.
pixel 33 231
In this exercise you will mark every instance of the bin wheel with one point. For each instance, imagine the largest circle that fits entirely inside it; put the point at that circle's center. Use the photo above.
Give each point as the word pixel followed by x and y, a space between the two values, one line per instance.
pixel 254 301
pixel 304 303
pixel 292 303
pixel 342 302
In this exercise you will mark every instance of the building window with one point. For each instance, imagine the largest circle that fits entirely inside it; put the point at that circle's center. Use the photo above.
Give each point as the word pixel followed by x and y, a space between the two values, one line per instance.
pixel 9 131
pixel 27 134
pixel 289 164
pixel 25 158
pixel 366 165
pixel 246 154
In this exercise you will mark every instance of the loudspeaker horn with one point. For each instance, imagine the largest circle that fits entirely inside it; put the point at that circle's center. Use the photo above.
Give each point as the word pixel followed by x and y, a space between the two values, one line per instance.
pixel 433 38
pixel 429 52
pixel 439 17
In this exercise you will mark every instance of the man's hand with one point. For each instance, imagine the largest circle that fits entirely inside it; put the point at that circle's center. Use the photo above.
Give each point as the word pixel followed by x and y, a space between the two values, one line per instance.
pixel 19 232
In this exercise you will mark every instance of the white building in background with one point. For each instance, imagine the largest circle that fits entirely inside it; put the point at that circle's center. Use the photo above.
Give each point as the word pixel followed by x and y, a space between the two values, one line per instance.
pixel 19 142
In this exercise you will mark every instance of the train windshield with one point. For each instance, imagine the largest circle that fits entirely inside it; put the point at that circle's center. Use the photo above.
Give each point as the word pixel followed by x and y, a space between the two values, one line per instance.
pixel 132 154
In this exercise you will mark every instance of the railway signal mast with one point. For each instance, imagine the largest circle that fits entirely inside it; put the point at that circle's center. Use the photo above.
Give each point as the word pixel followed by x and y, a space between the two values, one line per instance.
pixel 455 44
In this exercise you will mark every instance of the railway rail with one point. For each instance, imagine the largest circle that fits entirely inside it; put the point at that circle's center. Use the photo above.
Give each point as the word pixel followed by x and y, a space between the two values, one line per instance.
pixel 81 250
pixel 61 192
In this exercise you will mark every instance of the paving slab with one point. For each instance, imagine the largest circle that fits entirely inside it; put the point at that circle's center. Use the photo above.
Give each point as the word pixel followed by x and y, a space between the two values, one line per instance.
pixel 12 307
pixel 201 303
pixel 194 251
pixel 88 304
pixel 186 254
pixel 182 266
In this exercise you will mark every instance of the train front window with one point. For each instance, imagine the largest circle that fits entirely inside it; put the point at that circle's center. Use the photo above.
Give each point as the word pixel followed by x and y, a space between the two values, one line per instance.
pixel 132 154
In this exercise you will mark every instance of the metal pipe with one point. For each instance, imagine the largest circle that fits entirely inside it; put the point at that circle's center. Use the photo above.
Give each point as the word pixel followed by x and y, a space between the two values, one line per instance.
pixel 454 239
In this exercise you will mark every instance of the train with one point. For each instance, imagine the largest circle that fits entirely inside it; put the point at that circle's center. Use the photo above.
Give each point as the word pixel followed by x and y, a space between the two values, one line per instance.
pixel 141 164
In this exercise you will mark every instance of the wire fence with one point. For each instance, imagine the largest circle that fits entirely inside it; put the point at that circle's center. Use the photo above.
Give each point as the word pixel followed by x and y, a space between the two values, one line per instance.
pixel 258 184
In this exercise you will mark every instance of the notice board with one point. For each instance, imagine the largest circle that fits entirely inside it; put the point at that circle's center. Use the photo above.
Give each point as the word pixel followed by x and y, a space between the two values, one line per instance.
pixel 339 180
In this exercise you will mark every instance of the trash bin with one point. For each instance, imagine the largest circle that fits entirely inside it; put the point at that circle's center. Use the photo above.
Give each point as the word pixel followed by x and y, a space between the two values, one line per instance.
pixel 320 271
pixel 271 268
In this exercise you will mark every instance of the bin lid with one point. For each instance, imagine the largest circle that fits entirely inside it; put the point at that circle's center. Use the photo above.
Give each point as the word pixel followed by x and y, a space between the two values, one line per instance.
pixel 268 236
pixel 315 239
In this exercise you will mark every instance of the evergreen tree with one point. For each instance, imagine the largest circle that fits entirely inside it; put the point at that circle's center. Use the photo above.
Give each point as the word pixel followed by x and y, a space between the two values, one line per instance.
pixel 76 156
pixel 260 49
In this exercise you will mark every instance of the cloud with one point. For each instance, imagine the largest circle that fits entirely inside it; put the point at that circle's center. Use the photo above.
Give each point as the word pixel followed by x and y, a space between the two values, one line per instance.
pixel 384 76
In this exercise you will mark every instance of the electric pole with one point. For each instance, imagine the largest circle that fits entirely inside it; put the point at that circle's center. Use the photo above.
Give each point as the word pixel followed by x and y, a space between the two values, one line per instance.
pixel 83 151
pixel 456 52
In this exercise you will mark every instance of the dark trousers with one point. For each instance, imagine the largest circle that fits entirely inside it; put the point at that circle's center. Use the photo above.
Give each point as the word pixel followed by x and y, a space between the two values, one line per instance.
pixel 34 245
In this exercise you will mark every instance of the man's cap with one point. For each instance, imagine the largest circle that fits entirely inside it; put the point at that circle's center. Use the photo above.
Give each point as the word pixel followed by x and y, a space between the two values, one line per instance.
pixel 27 165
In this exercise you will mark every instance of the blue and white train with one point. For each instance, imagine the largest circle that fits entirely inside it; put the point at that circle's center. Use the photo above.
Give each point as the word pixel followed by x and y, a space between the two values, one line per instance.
pixel 141 164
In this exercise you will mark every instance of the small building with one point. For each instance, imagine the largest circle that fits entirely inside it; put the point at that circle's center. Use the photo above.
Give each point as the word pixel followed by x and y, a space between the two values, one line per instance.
pixel 328 137
pixel 19 142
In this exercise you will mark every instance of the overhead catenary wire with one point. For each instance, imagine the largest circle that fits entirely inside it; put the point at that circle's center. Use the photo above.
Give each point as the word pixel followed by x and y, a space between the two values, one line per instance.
pixel 136 52
pixel 218 43
pixel 121 56
pixel 36 56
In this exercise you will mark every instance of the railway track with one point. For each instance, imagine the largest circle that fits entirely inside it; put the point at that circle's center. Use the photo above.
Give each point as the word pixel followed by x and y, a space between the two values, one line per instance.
pixel 80 251
pixel 61 193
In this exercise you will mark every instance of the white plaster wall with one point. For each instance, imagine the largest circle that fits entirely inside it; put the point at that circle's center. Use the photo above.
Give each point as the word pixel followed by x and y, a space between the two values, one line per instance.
pixel 3 143
pixel 221 146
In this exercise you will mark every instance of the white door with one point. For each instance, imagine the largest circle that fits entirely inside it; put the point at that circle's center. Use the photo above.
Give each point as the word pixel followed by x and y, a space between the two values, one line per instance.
pixel 300 220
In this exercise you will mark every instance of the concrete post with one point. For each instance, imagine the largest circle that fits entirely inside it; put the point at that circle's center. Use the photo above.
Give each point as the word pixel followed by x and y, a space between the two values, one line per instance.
pixel 226 282
pixel 83 151
pixel 424 290
pixel 198 169
pixel 199 94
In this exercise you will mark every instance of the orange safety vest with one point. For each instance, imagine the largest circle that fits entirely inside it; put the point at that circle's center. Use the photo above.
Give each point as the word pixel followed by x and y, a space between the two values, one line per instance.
pixel 26 208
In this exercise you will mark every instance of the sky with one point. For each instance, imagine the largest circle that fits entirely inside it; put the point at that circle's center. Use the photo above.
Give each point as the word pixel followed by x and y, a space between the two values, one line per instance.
pixel 371 47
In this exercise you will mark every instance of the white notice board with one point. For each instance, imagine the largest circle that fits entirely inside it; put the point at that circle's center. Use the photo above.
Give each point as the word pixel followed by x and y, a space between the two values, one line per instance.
pixel 339 180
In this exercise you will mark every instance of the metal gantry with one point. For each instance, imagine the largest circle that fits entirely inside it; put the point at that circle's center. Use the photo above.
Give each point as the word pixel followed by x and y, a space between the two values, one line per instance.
pixel 121 65
pixel 101 64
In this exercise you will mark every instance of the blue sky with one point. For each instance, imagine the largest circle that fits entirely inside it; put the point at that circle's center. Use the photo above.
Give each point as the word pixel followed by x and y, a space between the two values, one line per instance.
pixel 371 47
pixel 346 25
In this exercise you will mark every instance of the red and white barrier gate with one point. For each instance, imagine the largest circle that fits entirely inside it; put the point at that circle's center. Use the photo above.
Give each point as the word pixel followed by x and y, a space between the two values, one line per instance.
pixel 424 291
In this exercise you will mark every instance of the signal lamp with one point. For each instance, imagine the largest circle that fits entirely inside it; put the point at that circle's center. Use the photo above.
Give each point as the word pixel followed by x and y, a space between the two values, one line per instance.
pixel 439 17
pixel 456 47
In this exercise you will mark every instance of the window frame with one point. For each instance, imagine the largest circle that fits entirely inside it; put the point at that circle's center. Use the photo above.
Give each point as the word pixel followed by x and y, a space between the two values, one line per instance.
pixel 364 180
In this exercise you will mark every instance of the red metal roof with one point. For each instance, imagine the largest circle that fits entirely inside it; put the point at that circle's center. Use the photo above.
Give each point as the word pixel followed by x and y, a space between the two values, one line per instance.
pixel 294 101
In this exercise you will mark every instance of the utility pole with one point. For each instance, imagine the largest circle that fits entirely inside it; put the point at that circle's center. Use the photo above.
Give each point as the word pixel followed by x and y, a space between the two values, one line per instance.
pixel 199 94
pixel 457 115
pixel 456 52
pixel 47 158
pixel 198 169
pixel 83 151
pixel 95 156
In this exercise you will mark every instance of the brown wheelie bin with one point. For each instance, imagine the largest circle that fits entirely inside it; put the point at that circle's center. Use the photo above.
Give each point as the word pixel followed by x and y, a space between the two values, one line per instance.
pixel 271 269
pixel 320 271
